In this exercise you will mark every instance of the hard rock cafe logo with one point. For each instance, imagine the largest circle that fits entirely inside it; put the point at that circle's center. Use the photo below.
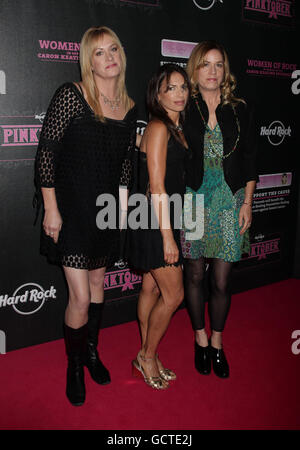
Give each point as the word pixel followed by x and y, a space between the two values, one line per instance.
pixel 276 132
pixel 58 51
pixel 28 298
pixel 206 4
pixel 276 12
pixel 40 117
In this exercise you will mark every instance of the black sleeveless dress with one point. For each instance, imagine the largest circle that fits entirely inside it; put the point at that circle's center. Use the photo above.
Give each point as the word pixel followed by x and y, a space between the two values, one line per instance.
pixel 144 247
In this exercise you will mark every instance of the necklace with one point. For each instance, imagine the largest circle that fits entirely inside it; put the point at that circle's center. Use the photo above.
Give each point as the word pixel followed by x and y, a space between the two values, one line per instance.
pixel 113 104
pixel 210 133
pixel 179 128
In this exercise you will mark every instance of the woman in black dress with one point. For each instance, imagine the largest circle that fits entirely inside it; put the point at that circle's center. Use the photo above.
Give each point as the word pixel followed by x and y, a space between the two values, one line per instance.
pixel 84 151
pixel 157 251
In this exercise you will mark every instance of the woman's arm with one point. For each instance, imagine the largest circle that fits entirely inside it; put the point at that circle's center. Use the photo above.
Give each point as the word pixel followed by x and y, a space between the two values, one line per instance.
pixel 156 149
pixel 52 220
pixel 245 215
pixel 63 107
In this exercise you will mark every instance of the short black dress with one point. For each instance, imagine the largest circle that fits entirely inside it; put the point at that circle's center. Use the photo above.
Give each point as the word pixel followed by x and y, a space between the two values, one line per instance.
pixel 144 247
pixel 82 157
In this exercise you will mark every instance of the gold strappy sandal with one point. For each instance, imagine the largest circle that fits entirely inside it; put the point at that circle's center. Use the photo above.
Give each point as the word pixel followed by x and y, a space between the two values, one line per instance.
pixel 166 374
pixel 138 372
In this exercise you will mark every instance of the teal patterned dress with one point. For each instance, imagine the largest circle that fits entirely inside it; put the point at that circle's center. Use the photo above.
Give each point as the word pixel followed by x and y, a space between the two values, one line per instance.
pixel 221 238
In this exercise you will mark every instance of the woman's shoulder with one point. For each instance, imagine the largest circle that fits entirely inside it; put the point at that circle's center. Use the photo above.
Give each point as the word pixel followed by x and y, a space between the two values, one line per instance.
pixel 156 132
pixel 157 126
pixel 67 89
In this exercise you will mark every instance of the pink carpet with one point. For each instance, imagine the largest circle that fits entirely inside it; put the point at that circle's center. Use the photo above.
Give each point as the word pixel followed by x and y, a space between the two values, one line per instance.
pixel 263 391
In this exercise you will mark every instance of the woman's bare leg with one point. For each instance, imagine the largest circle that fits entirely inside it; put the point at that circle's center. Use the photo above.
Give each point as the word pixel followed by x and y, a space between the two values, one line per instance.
pixel 96 283
pixel 148 297
pixel 170 283
pixel 76 314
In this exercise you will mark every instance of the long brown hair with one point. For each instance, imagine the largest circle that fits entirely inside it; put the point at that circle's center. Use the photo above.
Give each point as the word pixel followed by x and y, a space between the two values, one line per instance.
pixel 196 60
pixel 87 48
pixel 155 109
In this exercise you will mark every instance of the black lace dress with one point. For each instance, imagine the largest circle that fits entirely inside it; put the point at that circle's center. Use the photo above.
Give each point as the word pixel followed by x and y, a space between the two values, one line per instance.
pixel 144 247
pixel 82 158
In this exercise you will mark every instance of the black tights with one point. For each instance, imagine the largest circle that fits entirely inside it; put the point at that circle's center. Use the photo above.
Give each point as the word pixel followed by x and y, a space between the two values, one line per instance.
pixel 219 300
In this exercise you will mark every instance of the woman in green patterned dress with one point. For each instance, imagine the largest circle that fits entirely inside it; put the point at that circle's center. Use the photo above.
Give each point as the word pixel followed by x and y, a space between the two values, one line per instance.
pixel 220 132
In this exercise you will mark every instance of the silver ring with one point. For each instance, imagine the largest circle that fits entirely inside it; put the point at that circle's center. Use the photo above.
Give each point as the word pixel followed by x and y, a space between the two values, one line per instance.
pixel 51 233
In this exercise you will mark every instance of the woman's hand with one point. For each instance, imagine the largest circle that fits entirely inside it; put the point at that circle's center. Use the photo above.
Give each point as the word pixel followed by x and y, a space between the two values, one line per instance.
pixel 171 252
pixel 52 223
pixel 245 217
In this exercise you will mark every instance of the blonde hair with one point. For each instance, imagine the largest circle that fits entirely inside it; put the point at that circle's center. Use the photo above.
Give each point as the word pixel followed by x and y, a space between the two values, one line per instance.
pixel 87 48
pixel 196 60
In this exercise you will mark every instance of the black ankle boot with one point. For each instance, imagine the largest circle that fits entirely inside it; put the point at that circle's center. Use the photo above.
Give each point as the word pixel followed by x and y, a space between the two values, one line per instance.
pixel 98 371
pixel 202 359
pixel 76 342
pixel 219 362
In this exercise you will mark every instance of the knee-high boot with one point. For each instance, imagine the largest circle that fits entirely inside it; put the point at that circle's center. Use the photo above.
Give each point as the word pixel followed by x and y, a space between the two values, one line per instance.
pixel 98 371
pixel 76 347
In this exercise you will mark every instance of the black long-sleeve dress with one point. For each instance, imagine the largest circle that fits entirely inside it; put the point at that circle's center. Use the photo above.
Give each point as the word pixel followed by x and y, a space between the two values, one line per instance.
pixel 82 157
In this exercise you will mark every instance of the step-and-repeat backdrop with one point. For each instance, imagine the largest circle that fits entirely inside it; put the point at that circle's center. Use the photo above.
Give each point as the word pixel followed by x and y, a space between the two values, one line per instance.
pixel 39 50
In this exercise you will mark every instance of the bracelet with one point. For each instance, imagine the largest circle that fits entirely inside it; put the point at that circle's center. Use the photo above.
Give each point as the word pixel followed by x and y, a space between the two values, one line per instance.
pixel 245 203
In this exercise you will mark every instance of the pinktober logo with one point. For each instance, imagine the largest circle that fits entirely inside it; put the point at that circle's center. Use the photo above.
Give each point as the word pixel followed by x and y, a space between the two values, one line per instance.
pixel 258 67
pixel 278 12
pixel 121 279
pixel 272 8
pixel 19 135
pixel 261 250
pixel 58 51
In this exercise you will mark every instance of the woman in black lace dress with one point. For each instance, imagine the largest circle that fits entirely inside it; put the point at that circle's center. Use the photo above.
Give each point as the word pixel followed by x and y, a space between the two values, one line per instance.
pixel 85 151
pixel 157 251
